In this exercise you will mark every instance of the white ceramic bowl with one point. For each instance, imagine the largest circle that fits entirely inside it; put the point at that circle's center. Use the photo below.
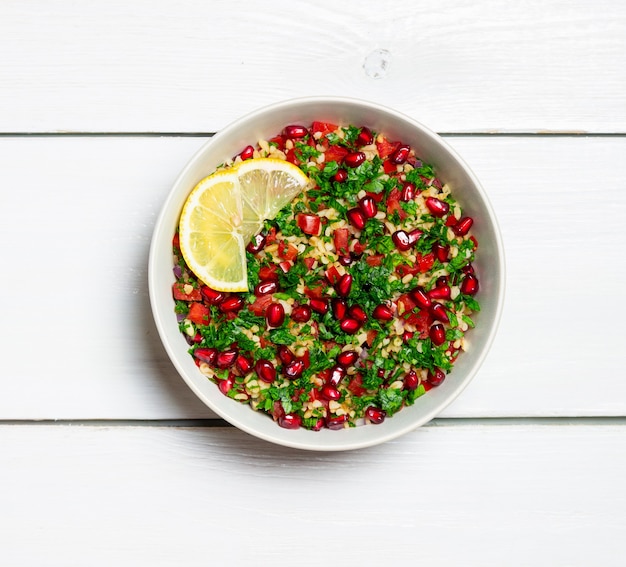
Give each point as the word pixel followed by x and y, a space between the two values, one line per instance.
pixel 449 167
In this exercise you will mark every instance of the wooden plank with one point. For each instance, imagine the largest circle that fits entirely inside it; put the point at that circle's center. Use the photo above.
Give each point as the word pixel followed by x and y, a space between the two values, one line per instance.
pixel 114 66
pixel 79 340
pixel 466 494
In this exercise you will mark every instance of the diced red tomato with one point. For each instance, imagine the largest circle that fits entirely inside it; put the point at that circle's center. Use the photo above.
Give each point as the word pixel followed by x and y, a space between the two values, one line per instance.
pixel 336 153
pixel 279 141
pixel 359 248
pixel 178 291
pixel 323 127
pixel 309 262
pixel 315 292
pixel 374 260
pixel 268 273
pixel 309 223
pixel 393 203
pixel 389 167
pixel 341 236
pixel 285 265
pixel 405 269
pixel 199 313
pixel 407 303
pixel 332 275
pixel 386 148
pixel 356 385
pixel 422 321
pixel 291 156
pixel 378 197
pixel 270 237
pixel 176 241
pixel 425 262
pixel 261 304
pixel 287 251
pixel 371 337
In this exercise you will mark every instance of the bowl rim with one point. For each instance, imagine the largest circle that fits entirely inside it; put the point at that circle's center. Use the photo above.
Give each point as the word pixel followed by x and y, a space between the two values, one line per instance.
pixel 341 440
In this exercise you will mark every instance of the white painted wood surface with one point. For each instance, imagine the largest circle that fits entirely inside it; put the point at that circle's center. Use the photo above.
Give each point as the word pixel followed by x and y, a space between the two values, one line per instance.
pixel 194 65
pixel 78 342
pixel 448 494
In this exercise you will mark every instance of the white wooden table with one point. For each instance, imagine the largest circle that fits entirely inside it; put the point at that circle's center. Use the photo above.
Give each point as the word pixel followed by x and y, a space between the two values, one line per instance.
pixel 106 457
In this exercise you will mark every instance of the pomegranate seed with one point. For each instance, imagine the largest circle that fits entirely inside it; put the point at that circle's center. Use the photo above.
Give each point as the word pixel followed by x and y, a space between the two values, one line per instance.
pixel 347 358
pixel 441 280
pixel 408 191
pixel 301 313
pixel 211 296
pixel 357 218
pixel 345 260
pixel 438 311
pixel 382 313
pixel 227 384
pixel 400 155
pixel 336 422
pixel 285 355
pixel 468 269
pixel 275 315
pixel 414 235
pixel 357 312
pixel 469 285
pixel 207 355
pixel 411 381
pixel 401 240
pixel 375 415
pixel 441 251
pixel 368 207
pixel 226 359
pixel 243 364
pixel 354 159
pixel 340 176
pixel 437 207
pixel 349 326
pixel 295 131
pixel 421 298
pixel 437 334
pixel 329 392
pixel 344 285
pixel 365 137
pixel 319 306
pixel 265 288
pixel 257 243
pixel 436 377
pixel 440 292
pixel 290 421
pixel 340 308
pixel 247 153
pixel 197 338
pixel 407 336
pixel 294 369
pixel 265 370
pixel 337 374
pixel 319 424
pixel 231 304
pixel 462 227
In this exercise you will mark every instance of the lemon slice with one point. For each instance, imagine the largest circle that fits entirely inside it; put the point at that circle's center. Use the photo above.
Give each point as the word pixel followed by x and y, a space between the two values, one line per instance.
pixel 224 211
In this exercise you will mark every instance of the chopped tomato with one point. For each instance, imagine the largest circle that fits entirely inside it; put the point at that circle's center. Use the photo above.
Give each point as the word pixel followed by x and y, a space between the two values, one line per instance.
pixel 341 236
pixel 378 197
pixel 291 156
pixel 287 251
pixel 178 291
pixel 268 273
pixel 393 203
pixel 332 275
pixel 407 303
pixel 425 262
pixel 405 269
pixel 309 223
pixel 356 385
pixel 309 262
pixel 422 321
pixel 199 313
pixel 389 167
pixel 386 148
pixel 261 304
pixel 278 141
pixel 315 292
pixel 374 260
pixel 176 241
pixel 371 336
pixel 335 153
pixel 359 248
pixel 323 127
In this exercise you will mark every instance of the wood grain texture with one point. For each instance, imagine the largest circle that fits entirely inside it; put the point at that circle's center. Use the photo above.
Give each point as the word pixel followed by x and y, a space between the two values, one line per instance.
pixel 77 214
pixel 194 66
pixel 466 494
